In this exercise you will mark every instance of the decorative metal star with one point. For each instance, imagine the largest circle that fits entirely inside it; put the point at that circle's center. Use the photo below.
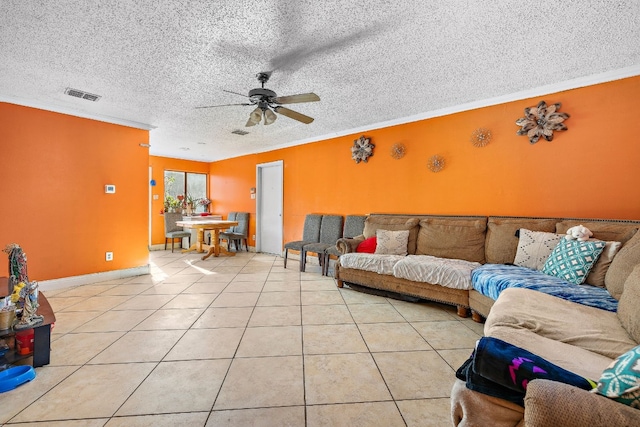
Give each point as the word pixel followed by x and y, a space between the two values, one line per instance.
pixel 541 121
pixel 362 149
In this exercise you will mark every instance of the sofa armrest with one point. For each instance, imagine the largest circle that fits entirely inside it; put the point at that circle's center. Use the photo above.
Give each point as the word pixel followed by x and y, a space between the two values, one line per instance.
pixel 550 403
pixel 346 246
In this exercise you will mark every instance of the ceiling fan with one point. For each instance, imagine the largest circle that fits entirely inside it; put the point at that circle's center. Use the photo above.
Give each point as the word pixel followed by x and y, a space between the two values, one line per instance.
pixel 266 102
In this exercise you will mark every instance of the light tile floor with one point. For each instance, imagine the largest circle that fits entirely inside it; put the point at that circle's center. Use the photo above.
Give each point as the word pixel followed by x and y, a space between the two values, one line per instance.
pixel 241 341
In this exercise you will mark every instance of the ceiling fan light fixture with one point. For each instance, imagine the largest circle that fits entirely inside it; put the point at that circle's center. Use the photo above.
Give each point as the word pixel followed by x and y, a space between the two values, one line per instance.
pixel 256 116
pixel 269 116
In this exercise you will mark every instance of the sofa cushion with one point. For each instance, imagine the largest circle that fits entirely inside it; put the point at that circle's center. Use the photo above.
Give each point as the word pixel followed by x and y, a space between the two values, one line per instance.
pixel 392 242
pixel 534 247
pixel 368 245
pixel 607 231
pixel 572 260
pixel 391 222
pixel 451 273
pixel 381 264
pixel 491 279
pixel 621 380
pixel 622 265
pixel 599 270
pixel 629 303
pixel 456 238
pixel 563 324
pixel 501 243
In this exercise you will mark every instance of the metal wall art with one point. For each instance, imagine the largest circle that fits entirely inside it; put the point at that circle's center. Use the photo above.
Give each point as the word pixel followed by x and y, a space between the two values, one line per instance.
pixel 435 163
pixel 480 137
pixel 541 121
pixel 398 150
pixel 362 149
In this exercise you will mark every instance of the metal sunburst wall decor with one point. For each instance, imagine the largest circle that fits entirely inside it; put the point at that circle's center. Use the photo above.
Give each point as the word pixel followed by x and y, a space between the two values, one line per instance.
pixel 436 163
pixel 398 150
pixel 541 121
pixel 480 137
pixel 362 149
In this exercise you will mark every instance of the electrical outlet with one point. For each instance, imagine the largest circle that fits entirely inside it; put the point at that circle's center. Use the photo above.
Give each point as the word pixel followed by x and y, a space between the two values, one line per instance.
pixel 109 256
pixel 254 237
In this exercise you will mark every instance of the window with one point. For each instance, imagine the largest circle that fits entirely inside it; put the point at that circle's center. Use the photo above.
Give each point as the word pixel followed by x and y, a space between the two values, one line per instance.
pixel 188 184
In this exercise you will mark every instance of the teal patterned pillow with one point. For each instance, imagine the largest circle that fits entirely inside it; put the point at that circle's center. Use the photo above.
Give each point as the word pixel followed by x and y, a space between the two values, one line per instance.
pixel 572 260
pixel 621 380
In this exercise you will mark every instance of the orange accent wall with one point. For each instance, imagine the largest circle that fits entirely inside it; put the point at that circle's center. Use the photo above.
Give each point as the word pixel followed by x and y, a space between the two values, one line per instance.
pixel 158 166
pixel 591 170
pixel 53 169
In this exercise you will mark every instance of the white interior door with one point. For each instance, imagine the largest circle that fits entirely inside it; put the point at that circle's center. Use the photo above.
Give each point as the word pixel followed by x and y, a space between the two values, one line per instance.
pixel 269 208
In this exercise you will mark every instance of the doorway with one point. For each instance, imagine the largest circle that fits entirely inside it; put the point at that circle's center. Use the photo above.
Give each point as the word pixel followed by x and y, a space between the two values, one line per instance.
pixel 269 207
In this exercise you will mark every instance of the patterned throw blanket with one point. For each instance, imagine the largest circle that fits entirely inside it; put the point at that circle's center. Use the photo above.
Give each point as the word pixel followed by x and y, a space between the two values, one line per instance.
pixel 502 370
pixel 491 279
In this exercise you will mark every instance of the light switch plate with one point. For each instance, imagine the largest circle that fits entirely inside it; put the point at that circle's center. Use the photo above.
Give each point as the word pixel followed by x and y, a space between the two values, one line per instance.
pixel 109 188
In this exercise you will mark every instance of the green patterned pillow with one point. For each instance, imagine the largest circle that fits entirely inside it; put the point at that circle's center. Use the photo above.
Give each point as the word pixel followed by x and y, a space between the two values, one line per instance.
pixel 621 380
pixel 572 260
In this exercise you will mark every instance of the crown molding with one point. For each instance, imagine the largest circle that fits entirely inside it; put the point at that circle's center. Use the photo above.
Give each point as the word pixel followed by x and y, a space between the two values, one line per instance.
pixel 75 113
pixel 579 82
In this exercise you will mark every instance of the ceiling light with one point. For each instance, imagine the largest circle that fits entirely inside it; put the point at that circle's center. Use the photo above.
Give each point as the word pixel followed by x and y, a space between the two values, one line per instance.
pixel 269 116
pixel 255 116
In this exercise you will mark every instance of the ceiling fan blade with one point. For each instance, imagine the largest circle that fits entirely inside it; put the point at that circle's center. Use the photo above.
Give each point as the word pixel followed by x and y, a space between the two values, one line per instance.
pixel 223 105
pixel 293 99
pixel 235 93
pixel 297 56
pixel 293 115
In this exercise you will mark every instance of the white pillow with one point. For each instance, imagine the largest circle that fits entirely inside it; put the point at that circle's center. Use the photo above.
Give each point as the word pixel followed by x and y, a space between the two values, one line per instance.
pixel 392 242
pixel 534 247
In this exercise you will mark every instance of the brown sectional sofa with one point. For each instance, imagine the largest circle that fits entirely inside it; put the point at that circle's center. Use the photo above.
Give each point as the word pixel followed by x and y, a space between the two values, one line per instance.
pixel 579 338
pixel 471 238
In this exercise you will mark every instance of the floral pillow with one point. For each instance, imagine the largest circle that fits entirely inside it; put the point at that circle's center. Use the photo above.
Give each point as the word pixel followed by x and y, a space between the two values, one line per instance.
pixel 572 260
pixel 392 242
pixel 621 380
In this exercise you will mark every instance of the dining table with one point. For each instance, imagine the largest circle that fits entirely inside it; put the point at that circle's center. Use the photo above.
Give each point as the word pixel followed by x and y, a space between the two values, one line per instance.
pixel 213 225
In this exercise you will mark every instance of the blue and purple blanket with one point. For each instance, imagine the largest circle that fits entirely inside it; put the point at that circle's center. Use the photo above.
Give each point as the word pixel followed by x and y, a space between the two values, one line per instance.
pixel 491 279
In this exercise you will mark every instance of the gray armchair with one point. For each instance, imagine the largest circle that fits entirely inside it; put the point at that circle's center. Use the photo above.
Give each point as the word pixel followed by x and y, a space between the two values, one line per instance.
pixel 330 232
pixel 310 234
pixel 237 233
pixel 353 226
pixel 173 231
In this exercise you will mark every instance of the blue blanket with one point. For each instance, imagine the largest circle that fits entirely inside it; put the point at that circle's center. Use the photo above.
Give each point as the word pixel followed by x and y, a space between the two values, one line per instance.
pixel 502 370
pixel 491 279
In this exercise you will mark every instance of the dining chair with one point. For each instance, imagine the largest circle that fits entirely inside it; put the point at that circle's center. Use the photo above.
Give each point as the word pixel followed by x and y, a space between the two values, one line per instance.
pixel 173 231
pixel 330 232
pixel 353 226
pixel 230 217
pixel 237 233
pixel 310 234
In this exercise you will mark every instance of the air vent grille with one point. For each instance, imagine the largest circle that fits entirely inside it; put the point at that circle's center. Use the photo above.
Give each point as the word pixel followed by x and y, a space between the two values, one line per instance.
pixel 240 132
pixel 82 94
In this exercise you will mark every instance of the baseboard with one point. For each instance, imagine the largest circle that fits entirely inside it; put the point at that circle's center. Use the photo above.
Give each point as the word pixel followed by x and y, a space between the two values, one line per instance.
pixel 84 279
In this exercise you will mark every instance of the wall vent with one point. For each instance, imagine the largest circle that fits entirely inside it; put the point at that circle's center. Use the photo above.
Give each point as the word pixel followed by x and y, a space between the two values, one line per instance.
pixel 240 132
pixel 82 94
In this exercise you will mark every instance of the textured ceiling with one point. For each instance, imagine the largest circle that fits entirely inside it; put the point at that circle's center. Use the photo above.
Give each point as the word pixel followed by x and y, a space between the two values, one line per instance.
pixel 371 62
